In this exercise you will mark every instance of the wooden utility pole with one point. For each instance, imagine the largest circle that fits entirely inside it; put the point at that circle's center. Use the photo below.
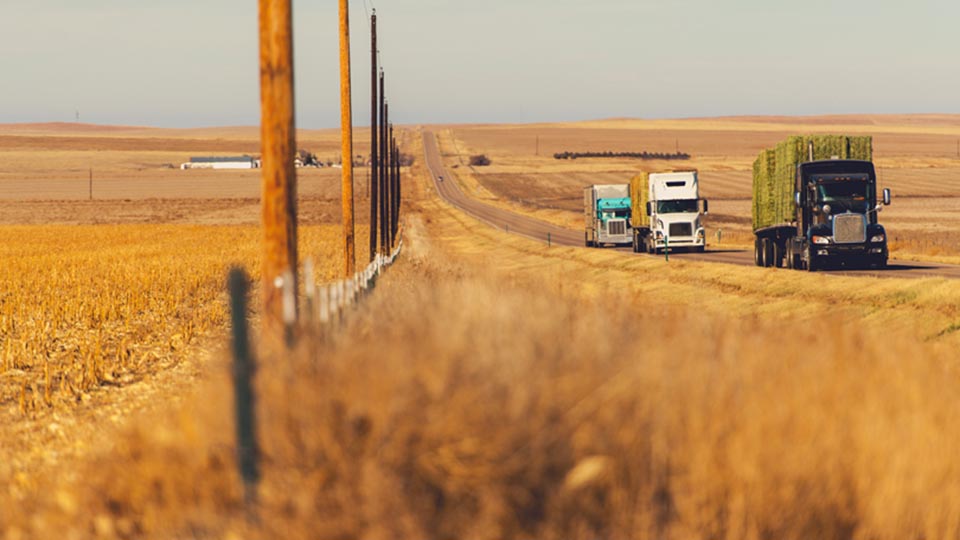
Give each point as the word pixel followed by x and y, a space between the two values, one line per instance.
pixel 278 144
pixel 393 187
pixel 388 246
pixel 396 190
pixel 91 184
pixel 399 193
pixel 390 185
pixel 382 177
pixel 346 134
pixel 374 145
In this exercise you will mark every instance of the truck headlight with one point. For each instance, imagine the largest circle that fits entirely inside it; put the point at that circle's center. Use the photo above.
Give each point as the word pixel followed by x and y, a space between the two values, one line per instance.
pixel 879 238
pixel 821 239
pixel 700 234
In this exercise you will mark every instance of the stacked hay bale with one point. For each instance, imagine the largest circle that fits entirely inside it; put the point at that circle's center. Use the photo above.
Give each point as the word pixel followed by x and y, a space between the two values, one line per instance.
pixel 639 195
pixel 774 172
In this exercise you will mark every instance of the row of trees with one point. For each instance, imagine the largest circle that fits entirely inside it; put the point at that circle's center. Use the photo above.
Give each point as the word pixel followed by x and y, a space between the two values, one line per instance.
pixel 633 155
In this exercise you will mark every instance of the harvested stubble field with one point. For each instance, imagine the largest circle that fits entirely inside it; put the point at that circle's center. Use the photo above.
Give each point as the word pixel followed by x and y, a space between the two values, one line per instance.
pixel 916 157
pixel 496 388
pixel 90 310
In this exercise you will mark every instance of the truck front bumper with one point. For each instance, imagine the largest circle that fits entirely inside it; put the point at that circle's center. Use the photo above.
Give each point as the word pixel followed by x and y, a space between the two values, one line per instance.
pixel 682 241
pixel 615 238
pixel 851 252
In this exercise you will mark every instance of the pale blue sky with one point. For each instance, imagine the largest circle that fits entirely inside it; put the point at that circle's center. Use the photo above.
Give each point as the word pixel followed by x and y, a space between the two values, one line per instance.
pixel 194 63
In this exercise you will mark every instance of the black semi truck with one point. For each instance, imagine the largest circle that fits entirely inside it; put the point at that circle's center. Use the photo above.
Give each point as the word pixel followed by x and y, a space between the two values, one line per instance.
pixel 821 212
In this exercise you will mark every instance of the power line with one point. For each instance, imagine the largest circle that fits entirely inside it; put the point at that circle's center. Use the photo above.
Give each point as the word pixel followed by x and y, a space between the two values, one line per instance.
pixel 366 10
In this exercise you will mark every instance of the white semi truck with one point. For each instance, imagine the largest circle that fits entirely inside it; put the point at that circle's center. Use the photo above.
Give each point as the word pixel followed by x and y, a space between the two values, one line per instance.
pixel 667 211
pixel 606 209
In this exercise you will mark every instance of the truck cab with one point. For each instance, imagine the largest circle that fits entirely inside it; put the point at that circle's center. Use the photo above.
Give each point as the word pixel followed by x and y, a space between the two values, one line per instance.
pixel 607 215
pixel 674 210
pixel 836 216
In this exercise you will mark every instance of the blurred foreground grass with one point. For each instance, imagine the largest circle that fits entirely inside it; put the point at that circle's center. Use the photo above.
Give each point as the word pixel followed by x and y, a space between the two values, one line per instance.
pixel 506 400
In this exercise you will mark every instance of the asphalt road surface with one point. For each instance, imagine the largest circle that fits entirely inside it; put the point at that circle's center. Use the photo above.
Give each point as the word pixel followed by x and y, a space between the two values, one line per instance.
pixel 543 231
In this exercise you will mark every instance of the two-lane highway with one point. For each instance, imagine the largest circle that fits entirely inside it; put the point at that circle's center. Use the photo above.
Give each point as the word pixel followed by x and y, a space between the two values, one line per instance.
pixel 497 217
pixel 539 230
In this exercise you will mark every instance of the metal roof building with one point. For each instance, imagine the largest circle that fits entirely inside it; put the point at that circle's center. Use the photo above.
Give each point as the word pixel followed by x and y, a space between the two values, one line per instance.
pixel 231 162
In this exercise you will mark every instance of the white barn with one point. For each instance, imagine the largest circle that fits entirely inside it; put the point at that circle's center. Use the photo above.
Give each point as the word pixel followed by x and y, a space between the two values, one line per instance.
pixel 240 162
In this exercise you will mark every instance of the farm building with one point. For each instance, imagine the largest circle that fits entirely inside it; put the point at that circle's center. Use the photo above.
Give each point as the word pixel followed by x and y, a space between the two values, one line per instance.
pixel 241 162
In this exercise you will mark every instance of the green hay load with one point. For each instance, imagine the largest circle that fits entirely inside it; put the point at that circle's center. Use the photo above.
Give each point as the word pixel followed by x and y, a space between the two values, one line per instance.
pixel 639 194
pixel 774 172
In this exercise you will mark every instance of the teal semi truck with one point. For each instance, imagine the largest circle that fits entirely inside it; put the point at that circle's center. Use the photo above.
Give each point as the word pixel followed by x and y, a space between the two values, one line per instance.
pixel 606 210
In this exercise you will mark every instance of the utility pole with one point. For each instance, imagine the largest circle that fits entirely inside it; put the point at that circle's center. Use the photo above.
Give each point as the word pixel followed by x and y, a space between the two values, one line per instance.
pixel 346 133
pixel 396 188
pixel 387 202
pixel 383 169
pixel 399 192
pixel 278 142
pixel 392 180
pixel 374 131
pixel 538 145
pixel 91 183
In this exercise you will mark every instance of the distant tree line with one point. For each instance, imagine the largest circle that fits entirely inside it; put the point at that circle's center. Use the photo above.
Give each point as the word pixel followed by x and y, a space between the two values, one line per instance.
pixel 633 155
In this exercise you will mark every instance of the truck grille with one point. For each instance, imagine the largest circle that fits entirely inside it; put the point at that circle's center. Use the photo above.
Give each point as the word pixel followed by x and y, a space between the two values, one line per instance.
pixel 849 229
pixel 681 229
pixel 617 227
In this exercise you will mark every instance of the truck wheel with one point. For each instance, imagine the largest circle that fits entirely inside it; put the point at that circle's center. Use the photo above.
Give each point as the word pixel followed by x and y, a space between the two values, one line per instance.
pixel 812 264
pixel 766 252
pixel 757 253
pixel 793 260
pixel 586 240
pixel 777 254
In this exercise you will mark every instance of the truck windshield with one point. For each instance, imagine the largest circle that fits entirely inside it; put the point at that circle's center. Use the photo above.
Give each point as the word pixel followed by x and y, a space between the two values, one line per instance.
pixel 679 205
pixel 852 195
pixel 616 214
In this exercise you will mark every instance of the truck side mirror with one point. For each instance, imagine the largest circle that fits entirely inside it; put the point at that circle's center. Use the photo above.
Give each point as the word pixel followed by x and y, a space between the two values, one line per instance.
pixel 649 209
pixel 706 207
pixel 796 198
pixel 886 196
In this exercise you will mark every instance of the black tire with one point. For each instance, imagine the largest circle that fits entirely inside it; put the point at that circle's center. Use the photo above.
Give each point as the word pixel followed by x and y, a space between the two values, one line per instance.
pixel 793 260
pixel 766 252
pixel 757 253
pixel 812 263
pixel 777 254
pixel 586 240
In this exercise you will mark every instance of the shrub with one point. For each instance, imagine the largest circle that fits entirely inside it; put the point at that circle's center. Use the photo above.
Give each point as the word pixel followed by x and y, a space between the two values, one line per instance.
pixel 480 160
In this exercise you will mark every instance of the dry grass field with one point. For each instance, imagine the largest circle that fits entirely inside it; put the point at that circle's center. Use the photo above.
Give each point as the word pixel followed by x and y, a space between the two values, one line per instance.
pixel 491 387
pixel 917 158
pixel 549 393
